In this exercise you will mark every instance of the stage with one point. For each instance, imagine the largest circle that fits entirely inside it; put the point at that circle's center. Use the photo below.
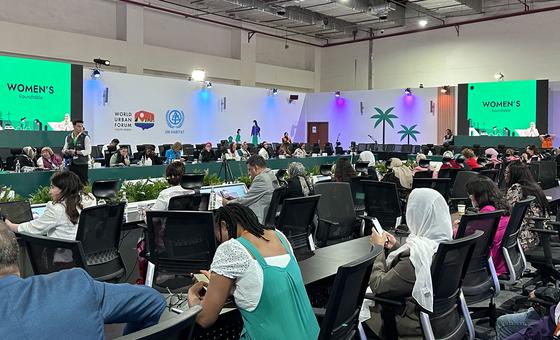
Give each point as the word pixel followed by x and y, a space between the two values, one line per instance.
pixel 494 141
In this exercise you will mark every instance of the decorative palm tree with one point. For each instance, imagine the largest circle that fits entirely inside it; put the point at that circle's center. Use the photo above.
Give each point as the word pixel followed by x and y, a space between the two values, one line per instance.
pixel 382 117
pixel 409 132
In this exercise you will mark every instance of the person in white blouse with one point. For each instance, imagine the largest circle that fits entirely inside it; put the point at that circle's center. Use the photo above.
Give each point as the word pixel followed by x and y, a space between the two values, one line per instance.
pixel 300 151
pixel 173 173
pixel 62 214
pixel 244 151
pixel 532 131
pixel 263 152
pixel 232 152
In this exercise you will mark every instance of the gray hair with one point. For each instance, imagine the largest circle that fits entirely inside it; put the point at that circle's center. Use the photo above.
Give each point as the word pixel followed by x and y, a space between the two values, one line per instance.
pixel 296 169
pixel 9 250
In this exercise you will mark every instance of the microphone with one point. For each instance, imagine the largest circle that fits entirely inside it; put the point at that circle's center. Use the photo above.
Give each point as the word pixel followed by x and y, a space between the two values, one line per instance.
pixel 372 139
pixel 337 137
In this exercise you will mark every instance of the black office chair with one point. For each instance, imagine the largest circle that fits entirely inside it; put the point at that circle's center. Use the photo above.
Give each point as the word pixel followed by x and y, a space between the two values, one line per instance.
pixel 316 148
pixel 493 174
pixel 337 216
pixel 179 243
pixel 107 157
pixel 424 174
pixel 459 190
pixel 280 176
pixel 163 149
pixel 277 197
pixel 358 194
pixel 328 149
pixel 450 173
pixel 99 232
pixel 382 202
pixel 450 319
pixel 361 167
pixel 547 174
pixel 295 221
pixel 544 257
pixel 441 185
pixel 340 319
pixel 189 202
pixel 511 247
pixel 48 255
pixel 406 148
pixel 105 189
pixel 192 181
pixel 179 327
pixel 481 281
pixel 325 169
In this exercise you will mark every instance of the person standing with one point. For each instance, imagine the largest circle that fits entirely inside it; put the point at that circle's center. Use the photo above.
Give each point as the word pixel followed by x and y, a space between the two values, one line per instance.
pixel 255 133
pixel 77 146
pixel 238 136
pixel 448 137
pixel 286 138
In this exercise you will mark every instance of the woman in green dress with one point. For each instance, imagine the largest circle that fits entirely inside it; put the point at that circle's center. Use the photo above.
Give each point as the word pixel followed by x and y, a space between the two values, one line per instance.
pixel 259 265
pixel 238 136
pixel 255 133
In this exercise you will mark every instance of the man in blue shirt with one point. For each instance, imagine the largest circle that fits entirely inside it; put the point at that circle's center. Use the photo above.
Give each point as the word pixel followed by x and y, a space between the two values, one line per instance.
pixel 174 153
pixel 68 304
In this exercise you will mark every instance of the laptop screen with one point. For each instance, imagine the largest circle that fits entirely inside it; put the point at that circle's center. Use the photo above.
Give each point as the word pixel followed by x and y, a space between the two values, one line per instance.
pixel 16 212
pixel 236 190
pixel 38 211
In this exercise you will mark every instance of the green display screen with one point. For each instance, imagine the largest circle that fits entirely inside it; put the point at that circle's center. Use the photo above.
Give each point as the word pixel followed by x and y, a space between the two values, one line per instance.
pixel 498 105
pixel 34 94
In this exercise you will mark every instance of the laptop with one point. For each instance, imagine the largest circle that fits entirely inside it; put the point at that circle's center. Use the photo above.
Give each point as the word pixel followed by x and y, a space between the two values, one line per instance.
pixel 38 210
pixel 235 190
pixel 16 212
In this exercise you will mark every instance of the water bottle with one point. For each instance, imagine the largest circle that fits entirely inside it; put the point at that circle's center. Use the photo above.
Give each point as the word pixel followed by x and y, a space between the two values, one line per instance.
pixel 18 166
pixel 143 161
pixel 213 203
pixel 125 200
pixel 430 153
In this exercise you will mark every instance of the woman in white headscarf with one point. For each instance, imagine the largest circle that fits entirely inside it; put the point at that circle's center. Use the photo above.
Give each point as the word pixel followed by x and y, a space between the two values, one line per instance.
pixel 367 156
pixel 406 271
pixel 492 156
pixel 401 175
pixel 299 185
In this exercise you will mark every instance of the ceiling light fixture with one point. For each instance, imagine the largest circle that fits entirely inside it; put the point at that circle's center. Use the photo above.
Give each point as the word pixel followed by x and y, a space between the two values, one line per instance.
pixel 423 22
pixel 198 75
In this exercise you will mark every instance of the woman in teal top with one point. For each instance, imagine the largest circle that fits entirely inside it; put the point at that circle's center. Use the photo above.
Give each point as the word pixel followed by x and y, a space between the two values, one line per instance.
pixel 267 284
pixel 238 136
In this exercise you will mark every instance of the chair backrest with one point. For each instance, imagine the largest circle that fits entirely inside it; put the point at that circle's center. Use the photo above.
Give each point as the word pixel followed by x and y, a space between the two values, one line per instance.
pixel 189 202
pixel 277 197
pixel 441 185
pixel 449 173
pixel 180 242
pixel 361 167
pixel 406 148
pixel 192 181
pixel 382 202
pixel 493 174
pixel 335 205
pixel 163 149
pixel 345 301
pixel 513 253
pixel 547 174
pixel 357 189
pixel 176 328
pixel 449 267
pixel 325 169
pixel 48 255
pixel 460 185
pixel 296 218
pixel 99 231
pixel 105 189
pixel 424 174
pixel 480 270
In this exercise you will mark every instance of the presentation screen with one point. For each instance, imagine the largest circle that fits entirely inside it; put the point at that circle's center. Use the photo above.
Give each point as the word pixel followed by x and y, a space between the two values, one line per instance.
pixel 504 108
pixel 39 95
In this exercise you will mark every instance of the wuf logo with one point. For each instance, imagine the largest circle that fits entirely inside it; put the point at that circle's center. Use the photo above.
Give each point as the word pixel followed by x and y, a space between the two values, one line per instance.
pixel 144 120
pixel 175 119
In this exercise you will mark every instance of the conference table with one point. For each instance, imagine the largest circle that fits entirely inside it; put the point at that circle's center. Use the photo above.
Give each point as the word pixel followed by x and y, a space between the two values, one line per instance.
pixel 318 272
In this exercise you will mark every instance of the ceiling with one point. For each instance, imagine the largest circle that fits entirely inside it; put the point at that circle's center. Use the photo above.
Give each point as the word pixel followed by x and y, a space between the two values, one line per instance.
pixel 336 20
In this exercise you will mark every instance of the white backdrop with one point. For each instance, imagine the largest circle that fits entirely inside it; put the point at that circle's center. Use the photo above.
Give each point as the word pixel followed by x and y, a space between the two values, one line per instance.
pixel 206 117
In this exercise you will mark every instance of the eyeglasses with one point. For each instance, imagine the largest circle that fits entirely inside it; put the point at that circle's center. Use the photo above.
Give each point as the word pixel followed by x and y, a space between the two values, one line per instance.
pixel 175 300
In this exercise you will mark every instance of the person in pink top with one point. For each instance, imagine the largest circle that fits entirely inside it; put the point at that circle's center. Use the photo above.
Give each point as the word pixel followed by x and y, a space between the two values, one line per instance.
pixel 485 195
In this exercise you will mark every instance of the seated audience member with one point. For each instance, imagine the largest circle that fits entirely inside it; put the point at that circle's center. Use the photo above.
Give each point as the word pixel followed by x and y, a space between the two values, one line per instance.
pixel 232 153
pixel 244 153
pixel 299 184
pixel 405 273
pixel 173 154
pixel 533 154
pixel 27 158
pixel 263 152
pixel 367 156
pixel 448 137
pixel 120 158
pixel 61 216
pixel 173 174
pixel 68 304
pixel 111 147
pixel 260 193
pixel 207 154
pixel 253 259
pixel 419 168
pixel 151 156
pixel 521 184
pixel 49 160
pixel 511 156
pixel 286 139
pixel 547 141
pixel 401 175
pixel 470 158
pixel 492 156
pixel 487 197
pixel 284 150
pixel 448 161
pixel 300 151
pixel 343 170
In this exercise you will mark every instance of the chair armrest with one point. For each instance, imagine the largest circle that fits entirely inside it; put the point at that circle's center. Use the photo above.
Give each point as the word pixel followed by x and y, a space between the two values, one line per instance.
pixel 384 301
pixel 543 231
pixel 367 218
pixel 538 218
pixel 142 225
pixel 329 222
pixel 319 312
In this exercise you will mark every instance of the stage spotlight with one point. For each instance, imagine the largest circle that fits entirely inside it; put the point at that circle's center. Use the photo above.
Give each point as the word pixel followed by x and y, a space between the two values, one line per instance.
pixel 499 76
pixel 274 92
pixel 408 91
pixel 100 61
pixel 423 22
pixel 208 85
pixel 337 94
pixel 95 74
pixel 198 75
pixel 444 89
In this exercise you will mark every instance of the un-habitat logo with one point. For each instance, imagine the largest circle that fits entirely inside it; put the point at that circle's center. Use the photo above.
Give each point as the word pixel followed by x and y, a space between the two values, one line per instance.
pixel 144 120
pixel 175 119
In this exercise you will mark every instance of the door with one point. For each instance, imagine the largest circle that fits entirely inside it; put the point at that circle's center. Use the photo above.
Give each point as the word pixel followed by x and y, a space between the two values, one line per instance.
pixel 318 132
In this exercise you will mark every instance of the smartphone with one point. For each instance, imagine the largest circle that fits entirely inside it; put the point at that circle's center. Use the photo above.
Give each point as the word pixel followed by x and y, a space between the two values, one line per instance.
pixel 201 278
pixel 377 226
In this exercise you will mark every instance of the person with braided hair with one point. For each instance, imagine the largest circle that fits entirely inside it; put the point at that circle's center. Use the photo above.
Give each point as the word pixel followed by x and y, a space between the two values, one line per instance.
pixel 259 265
